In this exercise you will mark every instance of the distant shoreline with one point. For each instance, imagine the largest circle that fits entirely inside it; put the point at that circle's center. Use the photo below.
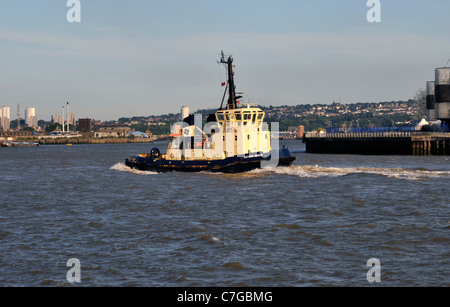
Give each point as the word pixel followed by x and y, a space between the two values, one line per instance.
pixel 74 141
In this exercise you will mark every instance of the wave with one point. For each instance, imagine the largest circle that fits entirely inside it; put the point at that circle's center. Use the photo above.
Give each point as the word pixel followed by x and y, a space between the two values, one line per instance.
pixel 309 171
pixel 123 168
pixel 316 171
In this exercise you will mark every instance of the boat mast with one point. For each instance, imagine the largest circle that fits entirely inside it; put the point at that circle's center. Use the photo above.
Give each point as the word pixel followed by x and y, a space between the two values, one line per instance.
pixel 232 98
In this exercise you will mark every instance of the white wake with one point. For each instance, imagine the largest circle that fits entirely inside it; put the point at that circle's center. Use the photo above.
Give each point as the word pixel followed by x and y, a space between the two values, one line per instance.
pixel 316 171
pixel 123 168
pixel 308 171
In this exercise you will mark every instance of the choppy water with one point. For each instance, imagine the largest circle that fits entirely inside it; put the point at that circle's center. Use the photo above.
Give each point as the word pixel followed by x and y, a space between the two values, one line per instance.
pixel 315 223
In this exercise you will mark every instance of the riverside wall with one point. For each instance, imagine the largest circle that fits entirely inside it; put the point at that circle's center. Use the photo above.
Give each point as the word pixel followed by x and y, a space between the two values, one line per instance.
pixel 379 143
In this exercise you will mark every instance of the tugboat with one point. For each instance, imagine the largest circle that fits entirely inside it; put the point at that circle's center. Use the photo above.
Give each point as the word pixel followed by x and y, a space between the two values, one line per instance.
pixel 235 139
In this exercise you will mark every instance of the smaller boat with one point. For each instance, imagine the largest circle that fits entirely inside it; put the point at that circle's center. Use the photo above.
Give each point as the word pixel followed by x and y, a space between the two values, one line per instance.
pixel 19 144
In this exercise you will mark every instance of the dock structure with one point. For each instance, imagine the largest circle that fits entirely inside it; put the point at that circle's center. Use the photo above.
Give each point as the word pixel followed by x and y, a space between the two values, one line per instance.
pixel 379 143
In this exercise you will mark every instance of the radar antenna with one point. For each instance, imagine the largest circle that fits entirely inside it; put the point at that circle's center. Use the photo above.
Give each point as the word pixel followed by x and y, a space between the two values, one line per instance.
pixel 231 88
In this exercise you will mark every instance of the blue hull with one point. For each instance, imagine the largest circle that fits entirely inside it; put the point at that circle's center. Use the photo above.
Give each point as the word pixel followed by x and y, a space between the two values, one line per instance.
pixel 227 165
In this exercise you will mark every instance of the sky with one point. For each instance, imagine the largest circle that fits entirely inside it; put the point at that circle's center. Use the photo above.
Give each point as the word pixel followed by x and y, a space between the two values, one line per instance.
pixel 146 57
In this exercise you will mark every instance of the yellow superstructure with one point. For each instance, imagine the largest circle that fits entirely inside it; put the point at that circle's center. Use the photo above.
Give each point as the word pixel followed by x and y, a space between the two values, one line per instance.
pixel 236 132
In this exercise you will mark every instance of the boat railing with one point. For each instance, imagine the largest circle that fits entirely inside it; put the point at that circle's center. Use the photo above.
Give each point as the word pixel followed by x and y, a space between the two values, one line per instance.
pixel 247 105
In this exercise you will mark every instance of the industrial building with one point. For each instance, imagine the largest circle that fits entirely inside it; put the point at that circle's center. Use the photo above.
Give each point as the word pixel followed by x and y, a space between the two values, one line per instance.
pixel 442 96
pixel 84 124
pixel 430 112
pixel 112 131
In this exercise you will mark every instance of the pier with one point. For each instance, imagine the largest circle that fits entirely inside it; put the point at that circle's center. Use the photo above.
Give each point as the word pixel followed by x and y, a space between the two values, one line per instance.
pixel 379 143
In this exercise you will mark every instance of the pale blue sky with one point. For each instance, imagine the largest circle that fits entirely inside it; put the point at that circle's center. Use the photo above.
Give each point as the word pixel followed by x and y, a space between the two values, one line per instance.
pixel 145 57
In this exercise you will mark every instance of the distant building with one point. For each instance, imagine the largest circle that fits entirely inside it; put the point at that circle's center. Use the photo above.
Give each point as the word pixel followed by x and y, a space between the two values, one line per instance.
pixel 71 119
pixel 57 119
pixel 15 134
pixel 84 124
pixel 33 122
pixel 29 113
pixel 5 118
pixel 112 131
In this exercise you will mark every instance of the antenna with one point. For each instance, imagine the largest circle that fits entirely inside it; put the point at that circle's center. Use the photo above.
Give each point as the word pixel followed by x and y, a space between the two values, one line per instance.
pixel 447 63
pixel 63 120
pixel 231 104
pixel 67 111
pixel 18 116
